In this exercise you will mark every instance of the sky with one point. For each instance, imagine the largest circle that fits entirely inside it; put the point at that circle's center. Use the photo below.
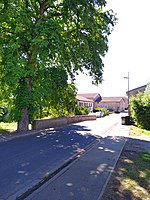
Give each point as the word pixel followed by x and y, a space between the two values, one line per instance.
pixel 129 51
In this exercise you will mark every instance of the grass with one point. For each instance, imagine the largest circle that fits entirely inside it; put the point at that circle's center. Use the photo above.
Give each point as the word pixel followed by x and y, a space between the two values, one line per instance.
pixel 131 178
pixel 135 131
pixel 7 127
pixel 137 176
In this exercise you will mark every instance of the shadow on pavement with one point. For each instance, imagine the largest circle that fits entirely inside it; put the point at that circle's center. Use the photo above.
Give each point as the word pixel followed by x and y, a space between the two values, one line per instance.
pixel 25 161
pixel 131 177
pixel 86 177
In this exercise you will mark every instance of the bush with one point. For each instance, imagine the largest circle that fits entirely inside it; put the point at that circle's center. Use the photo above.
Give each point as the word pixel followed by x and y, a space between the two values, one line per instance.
pixel 140 110
pixel 5 115
pixel 81 110
pixel 104 110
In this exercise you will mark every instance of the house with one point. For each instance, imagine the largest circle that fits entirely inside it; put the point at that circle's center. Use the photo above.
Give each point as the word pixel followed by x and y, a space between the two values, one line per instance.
pixel 135 91
pixel 95 98
pixel 82 101
pixel 114 103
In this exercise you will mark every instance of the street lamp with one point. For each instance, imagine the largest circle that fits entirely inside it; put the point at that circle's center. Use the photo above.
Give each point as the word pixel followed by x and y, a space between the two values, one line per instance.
pixel 127 77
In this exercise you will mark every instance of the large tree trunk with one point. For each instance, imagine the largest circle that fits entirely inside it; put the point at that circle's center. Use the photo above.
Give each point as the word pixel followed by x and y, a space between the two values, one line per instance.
pixel 23 123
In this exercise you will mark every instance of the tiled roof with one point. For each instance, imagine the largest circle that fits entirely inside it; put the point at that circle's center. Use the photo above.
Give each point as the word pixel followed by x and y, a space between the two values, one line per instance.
pixel 138 88
pixel 112 99
pixel 81 98
pixel 89 95
pixel 93 96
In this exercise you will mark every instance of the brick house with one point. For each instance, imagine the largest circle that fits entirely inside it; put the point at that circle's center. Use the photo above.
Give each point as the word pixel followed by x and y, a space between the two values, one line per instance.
pixel 114 103
pixel 89 99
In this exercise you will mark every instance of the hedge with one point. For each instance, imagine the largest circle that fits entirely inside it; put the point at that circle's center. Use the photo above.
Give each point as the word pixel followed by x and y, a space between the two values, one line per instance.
pixel 140 110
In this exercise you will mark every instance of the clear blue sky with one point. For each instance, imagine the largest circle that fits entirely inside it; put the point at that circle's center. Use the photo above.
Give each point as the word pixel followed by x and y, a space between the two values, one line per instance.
pixel 129 50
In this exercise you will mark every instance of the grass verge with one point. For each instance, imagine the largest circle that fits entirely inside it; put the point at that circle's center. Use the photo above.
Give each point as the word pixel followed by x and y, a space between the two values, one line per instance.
pixel 135 131
pixel 131 178
pixel 7 127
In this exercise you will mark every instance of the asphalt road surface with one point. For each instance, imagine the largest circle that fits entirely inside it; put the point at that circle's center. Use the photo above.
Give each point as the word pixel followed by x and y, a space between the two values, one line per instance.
pixel 25 161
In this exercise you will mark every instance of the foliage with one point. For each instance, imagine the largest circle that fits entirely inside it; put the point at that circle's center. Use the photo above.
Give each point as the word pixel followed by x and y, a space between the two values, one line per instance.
pixel 104 110
pixel 140 110
pixel 5 114
pixel 81 110
pixel 63 103
pixel 4 110
pixel 42 42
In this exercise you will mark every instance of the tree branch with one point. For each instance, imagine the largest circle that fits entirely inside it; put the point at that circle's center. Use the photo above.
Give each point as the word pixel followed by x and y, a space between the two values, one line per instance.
pixel 5 4
pixel 42 7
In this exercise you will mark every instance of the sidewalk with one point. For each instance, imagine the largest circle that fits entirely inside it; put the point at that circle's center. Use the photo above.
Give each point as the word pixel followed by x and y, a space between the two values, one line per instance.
pixel 87 177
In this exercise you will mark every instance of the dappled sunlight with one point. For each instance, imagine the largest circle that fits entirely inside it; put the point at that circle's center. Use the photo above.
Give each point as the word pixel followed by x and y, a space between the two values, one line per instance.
pixel 101 167
pixel 69 184
pixel 50 148
pixel 134 188
pixel 131 178
pixel 109 150
pixel 128 161
pixel 92 161
pixel 142 174
pixel 89 172
pixel 75 135
pixel 23 172
pixel 100 148
pixel 45 133
pixel 106 149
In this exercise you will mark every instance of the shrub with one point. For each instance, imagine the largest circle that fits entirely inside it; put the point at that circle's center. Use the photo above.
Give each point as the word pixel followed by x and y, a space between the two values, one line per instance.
pixel 5 114
pixel 140 110
pixel 81 110
pixel 104 110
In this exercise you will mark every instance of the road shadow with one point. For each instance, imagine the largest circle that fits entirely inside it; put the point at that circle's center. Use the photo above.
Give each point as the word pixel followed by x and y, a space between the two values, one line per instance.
pixel 35 157
pixel 86 177
pixel 72 137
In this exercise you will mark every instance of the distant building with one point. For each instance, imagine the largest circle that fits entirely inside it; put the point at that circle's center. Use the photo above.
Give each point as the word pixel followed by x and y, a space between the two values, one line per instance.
pixel 135 91
pixel 82 101
pixel 114 103
pixel 90 100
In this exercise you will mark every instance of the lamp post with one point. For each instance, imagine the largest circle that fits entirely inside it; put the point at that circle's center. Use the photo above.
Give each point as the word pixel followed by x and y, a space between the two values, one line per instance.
pixel 127 77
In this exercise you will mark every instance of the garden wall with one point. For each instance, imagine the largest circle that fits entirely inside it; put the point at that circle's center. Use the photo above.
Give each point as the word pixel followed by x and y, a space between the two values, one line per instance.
pixel 56 122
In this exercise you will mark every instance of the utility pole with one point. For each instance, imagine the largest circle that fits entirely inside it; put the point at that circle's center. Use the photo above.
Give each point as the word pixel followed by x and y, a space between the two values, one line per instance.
pixel 127 77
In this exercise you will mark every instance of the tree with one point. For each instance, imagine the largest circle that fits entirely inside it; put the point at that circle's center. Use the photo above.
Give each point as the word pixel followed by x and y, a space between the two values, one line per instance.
pixel 41 36
pixel 63 104
pixel 140 110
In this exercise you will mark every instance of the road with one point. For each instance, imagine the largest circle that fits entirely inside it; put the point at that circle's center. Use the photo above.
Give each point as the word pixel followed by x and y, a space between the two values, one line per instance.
pixel 25 161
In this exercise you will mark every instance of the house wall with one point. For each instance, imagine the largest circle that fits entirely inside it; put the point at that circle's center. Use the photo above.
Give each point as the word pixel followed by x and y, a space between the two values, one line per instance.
pixel 111 106
pixel 115 106
pixel 96 105
pixel 91 102
pixel 135 92
pixel 123 105
pixel 86 104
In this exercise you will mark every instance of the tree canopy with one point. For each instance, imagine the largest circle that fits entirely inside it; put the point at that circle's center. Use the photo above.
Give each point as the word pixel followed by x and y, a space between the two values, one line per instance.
pixel 43 42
